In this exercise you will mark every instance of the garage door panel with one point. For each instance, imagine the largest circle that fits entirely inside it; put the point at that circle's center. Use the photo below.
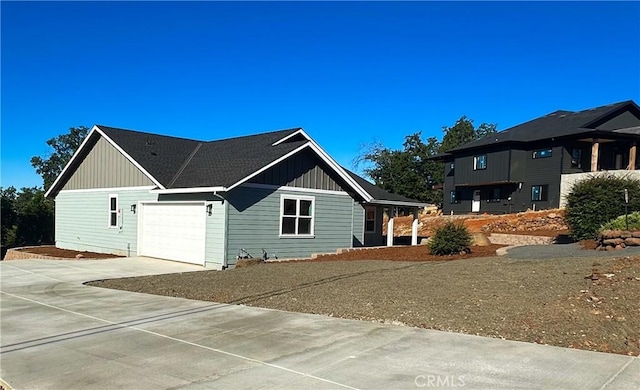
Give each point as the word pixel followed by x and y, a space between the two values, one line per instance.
pixel 174 231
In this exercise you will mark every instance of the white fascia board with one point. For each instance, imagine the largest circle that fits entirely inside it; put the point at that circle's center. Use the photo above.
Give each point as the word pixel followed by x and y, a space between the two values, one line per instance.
pixel 96 129
pixel 188 190
pixel 397 203
pixel 299 131
pixel 338 169
pixel 75 155
pixel 107 189
pixel 286 156
pixel 131 160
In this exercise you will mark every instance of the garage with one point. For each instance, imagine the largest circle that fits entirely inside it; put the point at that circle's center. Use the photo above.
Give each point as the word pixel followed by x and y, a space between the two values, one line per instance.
pixel 172 231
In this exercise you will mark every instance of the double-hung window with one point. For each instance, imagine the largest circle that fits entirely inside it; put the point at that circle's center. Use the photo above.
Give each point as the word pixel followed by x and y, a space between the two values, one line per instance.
pixel 576 158
pixel 113 211
pixel 480 162
pixel 539 193
pixel 370 219
pixel 296 216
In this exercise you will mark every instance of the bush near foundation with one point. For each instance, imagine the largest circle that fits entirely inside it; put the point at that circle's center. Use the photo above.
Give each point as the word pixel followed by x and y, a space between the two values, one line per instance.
pixel 449 239
pixel 597 200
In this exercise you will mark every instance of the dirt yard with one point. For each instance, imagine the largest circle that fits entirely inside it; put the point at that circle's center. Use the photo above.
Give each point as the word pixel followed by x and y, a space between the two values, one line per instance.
pixel 576 303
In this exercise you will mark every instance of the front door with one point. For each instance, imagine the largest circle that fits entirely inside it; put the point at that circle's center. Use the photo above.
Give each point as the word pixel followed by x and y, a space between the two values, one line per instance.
pixel 475 204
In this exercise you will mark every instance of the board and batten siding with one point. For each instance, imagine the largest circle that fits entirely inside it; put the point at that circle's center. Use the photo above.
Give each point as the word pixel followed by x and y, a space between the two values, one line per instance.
pixel 302 170
pixel 82 220
pixel 215 226
pixel 254 223
pixel 105 167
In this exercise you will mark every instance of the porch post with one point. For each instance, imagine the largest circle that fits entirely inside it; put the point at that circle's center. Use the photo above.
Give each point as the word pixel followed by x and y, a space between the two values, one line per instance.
pixel 390 226
pixel 414 228
pixel 595 148
pixel 632 157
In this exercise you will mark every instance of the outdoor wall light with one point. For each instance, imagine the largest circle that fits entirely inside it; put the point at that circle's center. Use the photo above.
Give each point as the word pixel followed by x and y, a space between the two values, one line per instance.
pixel 133 208
pixel 209 209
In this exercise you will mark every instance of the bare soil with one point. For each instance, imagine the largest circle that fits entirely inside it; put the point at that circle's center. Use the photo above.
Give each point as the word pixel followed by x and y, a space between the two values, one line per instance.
pixel 408 253
pixel 576 303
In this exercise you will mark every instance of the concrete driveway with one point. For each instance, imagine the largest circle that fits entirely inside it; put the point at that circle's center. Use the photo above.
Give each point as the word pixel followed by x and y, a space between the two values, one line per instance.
pixel 57 333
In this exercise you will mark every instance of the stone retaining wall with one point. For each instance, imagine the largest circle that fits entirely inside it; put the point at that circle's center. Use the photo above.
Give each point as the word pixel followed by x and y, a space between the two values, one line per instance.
pixel 617 239
pixel 518 239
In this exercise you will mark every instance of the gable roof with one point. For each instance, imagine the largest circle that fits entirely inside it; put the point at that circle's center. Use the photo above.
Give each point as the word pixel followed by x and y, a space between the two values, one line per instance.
pixel 557 124
pixel 183 165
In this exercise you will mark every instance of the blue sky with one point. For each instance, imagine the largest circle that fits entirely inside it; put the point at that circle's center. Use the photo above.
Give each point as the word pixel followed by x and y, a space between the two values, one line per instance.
pixel 349 73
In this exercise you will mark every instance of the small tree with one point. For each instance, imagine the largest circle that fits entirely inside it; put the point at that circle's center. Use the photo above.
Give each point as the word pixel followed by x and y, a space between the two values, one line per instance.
pixel 64 146
pixel 450 238
pixel 597 200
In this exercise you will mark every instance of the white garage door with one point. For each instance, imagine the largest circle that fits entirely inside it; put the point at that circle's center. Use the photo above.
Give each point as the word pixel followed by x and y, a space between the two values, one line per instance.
pixel 173 231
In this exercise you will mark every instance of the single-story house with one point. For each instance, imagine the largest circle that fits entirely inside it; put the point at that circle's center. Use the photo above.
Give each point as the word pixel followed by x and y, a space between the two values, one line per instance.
pixel 135 193
pixel 534 165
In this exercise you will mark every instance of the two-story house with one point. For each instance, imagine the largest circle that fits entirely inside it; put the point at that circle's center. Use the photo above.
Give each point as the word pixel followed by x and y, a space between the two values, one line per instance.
pixel 533 165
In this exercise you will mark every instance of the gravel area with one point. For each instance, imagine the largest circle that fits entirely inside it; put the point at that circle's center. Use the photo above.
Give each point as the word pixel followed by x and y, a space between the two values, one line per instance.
pixel 579 302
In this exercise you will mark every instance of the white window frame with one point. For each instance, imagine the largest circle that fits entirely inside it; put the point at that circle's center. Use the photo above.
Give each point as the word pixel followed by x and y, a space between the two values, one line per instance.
pixel 298 198
pixel 476 160
pixel 366 219
pixel 116 211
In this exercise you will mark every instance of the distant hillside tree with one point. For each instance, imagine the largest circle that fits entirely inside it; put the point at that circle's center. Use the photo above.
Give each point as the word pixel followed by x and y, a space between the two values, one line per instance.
pixel 409 171
pixel 27 217
pixel 64 146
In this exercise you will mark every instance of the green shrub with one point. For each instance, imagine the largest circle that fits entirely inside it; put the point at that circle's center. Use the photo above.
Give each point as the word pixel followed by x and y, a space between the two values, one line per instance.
pixel 620 223
pixel 596 201
pixel 450 238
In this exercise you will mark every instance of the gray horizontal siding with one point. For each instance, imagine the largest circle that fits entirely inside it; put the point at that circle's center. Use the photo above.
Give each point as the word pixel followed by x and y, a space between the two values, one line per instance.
pixel 82 221
pixel 302 170
pixel 254 223
pixel 105 167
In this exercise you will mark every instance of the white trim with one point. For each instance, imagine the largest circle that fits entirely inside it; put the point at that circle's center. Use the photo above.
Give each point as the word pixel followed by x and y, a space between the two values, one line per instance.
pixel 298 198
pixel 294 189
pixel 109 189
pixel 398 203
pixel 117 211
pixel 188 190
pixel 259 171
pixel 299 131
pixel 338 169
pixel 96 129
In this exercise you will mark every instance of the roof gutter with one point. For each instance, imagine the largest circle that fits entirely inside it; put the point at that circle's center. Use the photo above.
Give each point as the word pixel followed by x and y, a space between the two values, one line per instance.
pixel 189 190
pixel 398 203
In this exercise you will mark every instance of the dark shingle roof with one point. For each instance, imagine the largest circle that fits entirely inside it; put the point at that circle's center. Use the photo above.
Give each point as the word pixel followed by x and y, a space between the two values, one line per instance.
pixel 182 163
pixel 556 124
pixel 185 163
pixel 378 193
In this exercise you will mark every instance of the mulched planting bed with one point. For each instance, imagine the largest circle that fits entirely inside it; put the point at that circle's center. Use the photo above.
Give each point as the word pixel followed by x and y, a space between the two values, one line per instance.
pixel 66 253
pixel 576 303
pixel 407 253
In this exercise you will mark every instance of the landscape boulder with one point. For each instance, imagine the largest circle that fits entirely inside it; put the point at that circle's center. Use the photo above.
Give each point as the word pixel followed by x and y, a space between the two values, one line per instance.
pixel 479 239
pixel 617 239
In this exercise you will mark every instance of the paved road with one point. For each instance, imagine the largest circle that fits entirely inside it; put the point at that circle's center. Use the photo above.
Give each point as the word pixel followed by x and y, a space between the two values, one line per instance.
pixel 59 334
pixel 562 251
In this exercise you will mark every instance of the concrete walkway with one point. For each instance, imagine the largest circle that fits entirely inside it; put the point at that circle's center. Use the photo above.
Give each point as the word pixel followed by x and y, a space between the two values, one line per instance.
pixel 59 334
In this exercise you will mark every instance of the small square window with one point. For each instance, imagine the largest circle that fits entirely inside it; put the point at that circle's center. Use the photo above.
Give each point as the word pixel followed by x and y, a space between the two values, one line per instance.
pixel 296 216
pixel 480 162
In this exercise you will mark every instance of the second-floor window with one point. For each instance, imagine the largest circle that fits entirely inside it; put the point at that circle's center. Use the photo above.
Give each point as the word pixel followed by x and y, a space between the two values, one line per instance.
pixel 480 162
pixel 453 198
pixel 542 153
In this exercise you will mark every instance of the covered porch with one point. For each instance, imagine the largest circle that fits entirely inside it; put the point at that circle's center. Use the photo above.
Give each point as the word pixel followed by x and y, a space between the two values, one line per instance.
pixel 381 228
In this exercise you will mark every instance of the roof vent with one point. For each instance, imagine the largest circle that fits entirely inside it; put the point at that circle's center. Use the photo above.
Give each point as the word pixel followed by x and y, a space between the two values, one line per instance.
pixel 563 115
